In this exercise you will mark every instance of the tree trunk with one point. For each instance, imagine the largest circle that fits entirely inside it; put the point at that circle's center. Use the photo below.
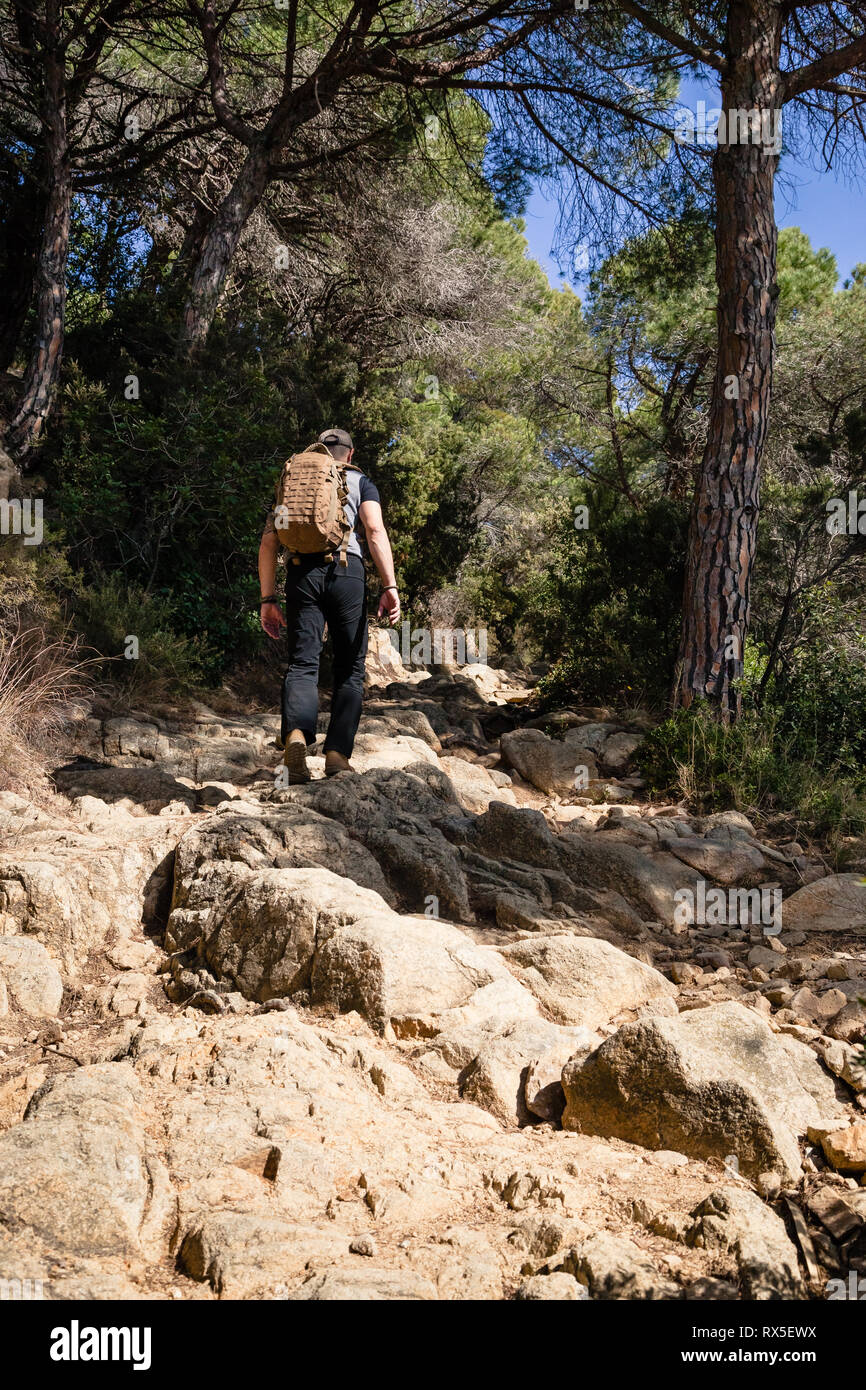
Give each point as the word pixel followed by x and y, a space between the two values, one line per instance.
pixel 218 249
pixel 724 521
pixel 44 366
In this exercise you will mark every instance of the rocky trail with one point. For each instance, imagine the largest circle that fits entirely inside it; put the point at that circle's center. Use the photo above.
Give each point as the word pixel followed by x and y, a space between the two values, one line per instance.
pixel 435 1030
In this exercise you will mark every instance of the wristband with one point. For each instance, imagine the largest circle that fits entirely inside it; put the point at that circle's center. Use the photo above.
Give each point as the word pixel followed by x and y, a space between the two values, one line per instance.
pixel 272 598
pixel 387 587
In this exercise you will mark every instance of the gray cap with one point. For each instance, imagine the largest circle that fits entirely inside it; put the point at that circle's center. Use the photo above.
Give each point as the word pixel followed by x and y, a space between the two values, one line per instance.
pixel 341 437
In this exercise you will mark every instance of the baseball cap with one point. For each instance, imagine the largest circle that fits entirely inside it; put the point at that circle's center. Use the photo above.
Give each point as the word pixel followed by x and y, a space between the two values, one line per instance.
pixel 341 437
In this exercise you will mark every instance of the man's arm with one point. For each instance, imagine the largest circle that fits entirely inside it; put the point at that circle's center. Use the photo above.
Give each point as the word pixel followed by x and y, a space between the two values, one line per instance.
pixel 271 614
pixel 380 549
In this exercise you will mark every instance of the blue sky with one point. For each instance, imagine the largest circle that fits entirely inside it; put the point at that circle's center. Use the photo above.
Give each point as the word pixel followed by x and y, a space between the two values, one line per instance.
pixel 830 208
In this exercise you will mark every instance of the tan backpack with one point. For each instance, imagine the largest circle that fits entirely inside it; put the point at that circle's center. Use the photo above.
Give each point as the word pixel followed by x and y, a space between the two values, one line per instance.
pixel 309 516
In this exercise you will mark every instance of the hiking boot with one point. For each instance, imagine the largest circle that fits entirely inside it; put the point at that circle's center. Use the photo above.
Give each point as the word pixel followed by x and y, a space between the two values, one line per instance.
pixel 295 757
pixel 335 762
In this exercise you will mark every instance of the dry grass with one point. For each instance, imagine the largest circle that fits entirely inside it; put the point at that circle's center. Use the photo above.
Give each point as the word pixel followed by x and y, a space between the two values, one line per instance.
pixel 41 677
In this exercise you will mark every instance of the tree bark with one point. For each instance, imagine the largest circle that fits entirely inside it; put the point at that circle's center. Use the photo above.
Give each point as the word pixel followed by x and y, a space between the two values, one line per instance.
pixel 43 369
pixel 724 520
pixel 218 249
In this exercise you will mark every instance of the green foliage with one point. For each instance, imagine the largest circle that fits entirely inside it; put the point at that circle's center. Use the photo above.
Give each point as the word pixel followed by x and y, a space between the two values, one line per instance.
pixel 169 492
pixel 805 277
pixel 609 606
pixel 168 663
pixel 800 752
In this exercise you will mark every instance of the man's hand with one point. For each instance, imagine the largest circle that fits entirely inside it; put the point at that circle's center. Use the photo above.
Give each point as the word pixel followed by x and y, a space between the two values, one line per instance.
pixel 389 606
pixel 272 618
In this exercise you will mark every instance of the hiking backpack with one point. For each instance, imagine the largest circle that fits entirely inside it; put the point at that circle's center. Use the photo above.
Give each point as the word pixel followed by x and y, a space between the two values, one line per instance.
pixel 309 514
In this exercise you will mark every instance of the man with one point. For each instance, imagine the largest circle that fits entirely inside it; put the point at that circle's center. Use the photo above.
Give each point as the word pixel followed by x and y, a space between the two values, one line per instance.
pixel 319 590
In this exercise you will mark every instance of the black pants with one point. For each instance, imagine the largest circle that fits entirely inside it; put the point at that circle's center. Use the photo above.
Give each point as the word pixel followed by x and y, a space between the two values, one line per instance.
pixel 319 592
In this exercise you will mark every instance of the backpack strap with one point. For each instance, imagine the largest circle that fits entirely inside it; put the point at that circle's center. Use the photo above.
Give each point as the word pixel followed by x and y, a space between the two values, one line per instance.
pixel 342 494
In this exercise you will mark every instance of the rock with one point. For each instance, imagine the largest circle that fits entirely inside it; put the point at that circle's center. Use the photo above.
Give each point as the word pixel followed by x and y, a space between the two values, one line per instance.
pixel 728 821
pixel 408 971
pixel 80 1172
pixel 542 1088
pixel 497 1078
pixel 584 981
pixel 242 1255
pixel 550 1286
pixel 591 736
pixel 393 752
pixel 766 958
pixel 545 762
pixel 384 663
pixel 712 1082
pixel 648 882
pixel 769 1185
pixel 30 975
pixel 261 932
pixel 849 1024
pixel 834 903
pixel 840 1212
pixel 474 785
pixel 133 955
pixel 843 1060
pixel 365 1286
pixel 149 788
pixel 127 994
pixel 363 1245
pixel 79 892
pixel 845 1149
pixel 518 833
pixel 838 970
pixel 612 1266
pixel 735 1219
pixel 393 814
pixel 617 750
pixel 726 864
pixel 818 1006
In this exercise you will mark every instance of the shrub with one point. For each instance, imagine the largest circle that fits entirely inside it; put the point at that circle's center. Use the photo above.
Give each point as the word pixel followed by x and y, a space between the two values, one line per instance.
pixel 610 607
pixel 759 764
pixel 165 661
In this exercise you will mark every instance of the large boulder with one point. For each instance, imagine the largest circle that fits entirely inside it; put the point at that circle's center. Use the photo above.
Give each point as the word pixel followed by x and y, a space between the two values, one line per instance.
pixel 246 1255
pixel 834 903
pixel 390 751
pixel 711 1083
pixel 263 930
pixel 77 893
pixel 617 750
pixel 586 981
pixel 384 663
pixel 613 1267
pixel 647 881
pixel 216 862
pixel 550 765
pixel 408 971
pixel 394 813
